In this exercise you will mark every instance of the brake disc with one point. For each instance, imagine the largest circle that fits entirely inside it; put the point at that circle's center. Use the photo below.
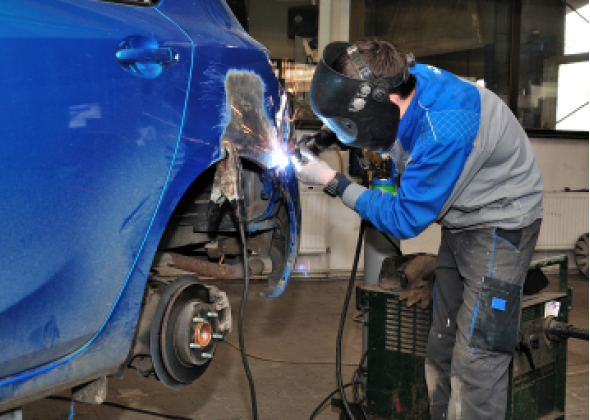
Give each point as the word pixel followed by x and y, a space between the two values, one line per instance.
pixel 184 333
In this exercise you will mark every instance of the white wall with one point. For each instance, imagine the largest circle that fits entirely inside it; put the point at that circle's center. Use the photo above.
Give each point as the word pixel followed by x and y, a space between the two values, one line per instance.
pixel 342 230
pixel 564 163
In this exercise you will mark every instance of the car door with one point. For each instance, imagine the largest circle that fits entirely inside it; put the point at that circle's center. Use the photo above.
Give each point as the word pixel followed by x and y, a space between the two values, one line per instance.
pixel 91 109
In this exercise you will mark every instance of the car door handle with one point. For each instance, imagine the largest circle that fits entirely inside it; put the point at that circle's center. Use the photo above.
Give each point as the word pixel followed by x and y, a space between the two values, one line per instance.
pixel 162 56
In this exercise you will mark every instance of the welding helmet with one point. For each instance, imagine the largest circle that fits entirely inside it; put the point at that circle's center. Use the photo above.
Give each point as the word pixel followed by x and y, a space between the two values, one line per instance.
pixel 358 111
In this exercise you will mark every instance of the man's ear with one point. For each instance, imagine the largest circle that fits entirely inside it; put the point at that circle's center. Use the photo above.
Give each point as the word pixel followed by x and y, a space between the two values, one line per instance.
pixel 395 98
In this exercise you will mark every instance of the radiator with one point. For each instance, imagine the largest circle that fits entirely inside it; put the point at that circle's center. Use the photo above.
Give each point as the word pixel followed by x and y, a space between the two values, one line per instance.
pixel 565 219
pixel 314 219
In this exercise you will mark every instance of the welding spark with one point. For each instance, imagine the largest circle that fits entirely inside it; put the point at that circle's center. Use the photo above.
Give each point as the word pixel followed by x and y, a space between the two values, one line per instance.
pixel 235 109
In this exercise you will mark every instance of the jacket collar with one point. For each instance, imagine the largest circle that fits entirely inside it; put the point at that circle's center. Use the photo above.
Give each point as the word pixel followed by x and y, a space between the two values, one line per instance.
pixel 408 125
pixel 424 98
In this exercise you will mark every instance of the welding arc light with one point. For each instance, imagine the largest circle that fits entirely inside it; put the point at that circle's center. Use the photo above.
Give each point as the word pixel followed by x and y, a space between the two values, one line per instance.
pixel 278 159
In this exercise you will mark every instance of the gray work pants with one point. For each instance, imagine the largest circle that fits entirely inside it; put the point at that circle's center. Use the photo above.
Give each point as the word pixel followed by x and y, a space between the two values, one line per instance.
pixel 477 308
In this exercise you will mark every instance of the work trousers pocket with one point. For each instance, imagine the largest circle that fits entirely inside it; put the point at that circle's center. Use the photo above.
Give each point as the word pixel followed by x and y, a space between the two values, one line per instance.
pixel 496 317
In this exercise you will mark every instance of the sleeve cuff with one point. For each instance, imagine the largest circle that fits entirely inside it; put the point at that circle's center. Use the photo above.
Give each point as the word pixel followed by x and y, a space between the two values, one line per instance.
pixel 351 194
pixel 343 183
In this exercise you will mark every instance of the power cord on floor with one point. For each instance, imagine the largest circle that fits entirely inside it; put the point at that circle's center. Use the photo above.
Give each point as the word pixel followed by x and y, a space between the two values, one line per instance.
pixel 71 416
pixel 291 362
pixel 354 383
pixel 124 407
pixel 578 372
pixel 357 380
pixel 321 405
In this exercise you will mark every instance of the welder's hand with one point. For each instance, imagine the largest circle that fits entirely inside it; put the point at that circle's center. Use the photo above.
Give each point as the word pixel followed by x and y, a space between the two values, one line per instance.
pixel 311 170
pixel 323 139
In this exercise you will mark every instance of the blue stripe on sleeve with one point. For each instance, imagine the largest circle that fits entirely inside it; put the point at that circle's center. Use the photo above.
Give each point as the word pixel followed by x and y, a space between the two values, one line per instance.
pixel 426 185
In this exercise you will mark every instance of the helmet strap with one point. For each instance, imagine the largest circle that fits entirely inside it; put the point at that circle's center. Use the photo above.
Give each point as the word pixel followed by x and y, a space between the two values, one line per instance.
pixel 359 63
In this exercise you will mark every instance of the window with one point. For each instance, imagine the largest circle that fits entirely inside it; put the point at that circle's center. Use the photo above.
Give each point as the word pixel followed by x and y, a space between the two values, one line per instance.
pixel 533 54
pixel 545 84
pixel 553 88
pixel 468 38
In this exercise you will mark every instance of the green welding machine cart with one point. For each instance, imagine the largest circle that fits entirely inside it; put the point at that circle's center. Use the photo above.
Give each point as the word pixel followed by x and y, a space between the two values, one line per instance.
pixel 397 337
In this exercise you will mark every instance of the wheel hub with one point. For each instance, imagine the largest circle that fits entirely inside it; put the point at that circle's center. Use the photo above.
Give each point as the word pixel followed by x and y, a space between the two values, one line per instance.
pixel 184 333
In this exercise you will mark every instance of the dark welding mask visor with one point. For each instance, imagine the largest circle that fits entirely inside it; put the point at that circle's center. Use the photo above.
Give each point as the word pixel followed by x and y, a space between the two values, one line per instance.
pixel 359 112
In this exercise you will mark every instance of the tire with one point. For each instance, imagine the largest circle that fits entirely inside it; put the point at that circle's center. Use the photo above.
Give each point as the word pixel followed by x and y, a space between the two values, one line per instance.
pixel 581 254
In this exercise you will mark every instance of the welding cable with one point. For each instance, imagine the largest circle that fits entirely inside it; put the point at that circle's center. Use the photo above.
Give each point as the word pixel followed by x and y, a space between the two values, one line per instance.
pixel 323 403
pixel 358 374
pixel 577 373
pixel 242 230
pixel 288 362
pixel 393 244
pixel 353 383
pixel 123 407
pixel 357 254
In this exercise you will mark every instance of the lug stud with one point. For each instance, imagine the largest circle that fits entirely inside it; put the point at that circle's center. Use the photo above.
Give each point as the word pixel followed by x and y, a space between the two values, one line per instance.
pixel 194 346
pixel 206 356
pixel 218 336
pixel 212 315
pixel 198 320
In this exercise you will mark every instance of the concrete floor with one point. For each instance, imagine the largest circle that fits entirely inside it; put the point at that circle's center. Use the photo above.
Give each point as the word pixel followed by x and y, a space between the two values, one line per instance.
pixel 300 326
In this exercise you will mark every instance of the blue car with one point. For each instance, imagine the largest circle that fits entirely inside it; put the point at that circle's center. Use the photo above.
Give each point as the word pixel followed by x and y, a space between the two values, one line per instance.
pixel 119 123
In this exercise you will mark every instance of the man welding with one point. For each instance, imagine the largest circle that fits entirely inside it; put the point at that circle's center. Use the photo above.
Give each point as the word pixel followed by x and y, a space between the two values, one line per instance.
pixel 467 164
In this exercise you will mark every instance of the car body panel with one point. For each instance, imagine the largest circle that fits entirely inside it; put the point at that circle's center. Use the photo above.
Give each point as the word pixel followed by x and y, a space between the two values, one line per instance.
pixel 80 179
pixel 86 204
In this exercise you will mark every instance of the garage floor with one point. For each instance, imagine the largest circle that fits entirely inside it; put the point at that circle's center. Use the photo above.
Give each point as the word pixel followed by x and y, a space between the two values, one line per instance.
pixel 300 326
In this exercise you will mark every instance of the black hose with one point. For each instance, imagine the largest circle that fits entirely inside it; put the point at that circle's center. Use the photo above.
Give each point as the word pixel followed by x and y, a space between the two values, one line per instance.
pixel 241 224
pixel 578 333
pixel 557 331
pixel 358 374
pixel 393 244
pixel 321 405
pixel 343 320
pixel 124 407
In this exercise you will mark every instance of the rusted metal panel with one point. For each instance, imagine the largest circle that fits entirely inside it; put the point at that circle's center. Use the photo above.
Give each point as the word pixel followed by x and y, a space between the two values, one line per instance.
pixel 205 268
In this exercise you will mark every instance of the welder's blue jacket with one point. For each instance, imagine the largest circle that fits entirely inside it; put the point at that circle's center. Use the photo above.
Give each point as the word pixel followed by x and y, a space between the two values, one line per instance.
pixel 466 163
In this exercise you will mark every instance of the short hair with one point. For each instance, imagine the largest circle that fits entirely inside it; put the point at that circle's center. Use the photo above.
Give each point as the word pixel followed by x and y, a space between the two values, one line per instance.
pixel 383 59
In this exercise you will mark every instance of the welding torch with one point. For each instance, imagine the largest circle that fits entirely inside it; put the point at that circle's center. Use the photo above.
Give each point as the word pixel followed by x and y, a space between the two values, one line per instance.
pixel 321 140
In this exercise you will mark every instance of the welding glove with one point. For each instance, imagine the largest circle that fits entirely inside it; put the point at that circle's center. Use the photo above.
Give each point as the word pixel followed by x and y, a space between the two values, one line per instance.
pixel 311 170
pixel 420 274
pixel 323 139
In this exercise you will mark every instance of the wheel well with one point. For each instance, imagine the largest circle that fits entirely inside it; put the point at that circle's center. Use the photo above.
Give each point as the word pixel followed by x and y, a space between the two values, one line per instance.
pixel 193 244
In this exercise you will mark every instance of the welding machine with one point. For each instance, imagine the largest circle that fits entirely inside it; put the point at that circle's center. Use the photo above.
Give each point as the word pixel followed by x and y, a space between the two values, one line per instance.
pixel 395 385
